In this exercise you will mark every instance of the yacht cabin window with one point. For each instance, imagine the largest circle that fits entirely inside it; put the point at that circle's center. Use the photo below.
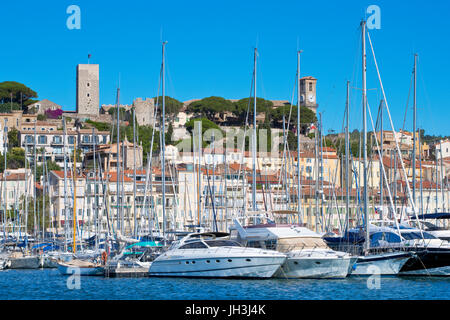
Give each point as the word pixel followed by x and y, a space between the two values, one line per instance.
pixel 194 245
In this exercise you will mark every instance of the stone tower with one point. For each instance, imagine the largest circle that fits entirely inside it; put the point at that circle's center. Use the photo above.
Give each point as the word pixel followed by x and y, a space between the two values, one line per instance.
pixel 144 111
pixel 88 92
pixel 308 93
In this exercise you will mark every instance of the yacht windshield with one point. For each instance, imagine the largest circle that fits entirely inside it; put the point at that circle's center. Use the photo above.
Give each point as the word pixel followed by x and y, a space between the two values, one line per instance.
pixel 194 245
pixel 222 243
pixel 417 235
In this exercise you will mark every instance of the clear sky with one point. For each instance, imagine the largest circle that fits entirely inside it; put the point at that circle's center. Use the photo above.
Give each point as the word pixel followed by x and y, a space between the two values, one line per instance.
pixel 210 51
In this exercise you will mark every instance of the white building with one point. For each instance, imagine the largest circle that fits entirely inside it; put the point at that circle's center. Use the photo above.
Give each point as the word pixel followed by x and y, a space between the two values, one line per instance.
pixel 18 182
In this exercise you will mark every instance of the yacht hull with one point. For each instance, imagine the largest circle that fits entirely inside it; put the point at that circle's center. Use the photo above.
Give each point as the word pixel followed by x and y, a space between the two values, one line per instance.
pixel 316 268
pixel 25 263
pixel 48 262
pixel 382 264
pixel 220 267
pixel 66 269
pixel 431 262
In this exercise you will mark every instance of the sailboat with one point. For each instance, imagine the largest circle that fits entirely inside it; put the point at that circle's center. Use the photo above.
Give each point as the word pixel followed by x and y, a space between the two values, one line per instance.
pixel 308 256
pixel 24 259
pixel 359 239
pixel 84 266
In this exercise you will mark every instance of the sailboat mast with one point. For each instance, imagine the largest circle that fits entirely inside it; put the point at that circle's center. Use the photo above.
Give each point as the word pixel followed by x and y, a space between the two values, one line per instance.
pixel 163 143
pixel 119 219
pixel 299 187
pixel 414 130
pixel 347 149
pixel 381 161
pixel 364 104
pixel 65 186
pixel 74 175
pixel 254 136
pixel 134 177
pixel 34 180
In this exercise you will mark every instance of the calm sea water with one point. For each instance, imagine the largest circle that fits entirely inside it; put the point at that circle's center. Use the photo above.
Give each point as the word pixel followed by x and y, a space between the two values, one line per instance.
pixel 50 284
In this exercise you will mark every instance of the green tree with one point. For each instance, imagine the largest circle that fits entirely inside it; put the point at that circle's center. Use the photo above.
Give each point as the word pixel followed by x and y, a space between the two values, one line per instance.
pixel 100 126
pixel 50 165
pixel 15 159
pixel 13 138
pixel 168 135
pixel 241 107
pixel 306 117
pixel 209 107
pixel 172 106
pixel 206 124
pixel 122 113
pixel 8 107
pixel 18 92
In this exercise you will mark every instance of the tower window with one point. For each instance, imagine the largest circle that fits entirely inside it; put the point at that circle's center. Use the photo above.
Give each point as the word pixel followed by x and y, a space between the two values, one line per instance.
pixel 310 86
pixel 88 95
pixel 88 84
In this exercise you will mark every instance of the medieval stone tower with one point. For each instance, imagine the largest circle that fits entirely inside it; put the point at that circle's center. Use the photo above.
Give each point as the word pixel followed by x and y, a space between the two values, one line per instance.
pixel 88 92
pixel 308 93
pixel 144 111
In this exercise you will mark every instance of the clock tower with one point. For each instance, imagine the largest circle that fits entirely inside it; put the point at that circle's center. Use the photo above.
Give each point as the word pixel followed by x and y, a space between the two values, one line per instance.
pixel 308 93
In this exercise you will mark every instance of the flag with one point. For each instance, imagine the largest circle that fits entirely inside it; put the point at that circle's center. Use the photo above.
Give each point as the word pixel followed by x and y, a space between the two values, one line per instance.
pixel 89 55
pixel 312 126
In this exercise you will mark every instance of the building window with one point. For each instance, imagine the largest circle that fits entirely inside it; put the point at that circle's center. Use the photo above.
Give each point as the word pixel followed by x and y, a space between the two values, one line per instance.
pixel 29 139
pixel 88 84
pixel 88 95
pixel 310 86
pixel 42 140
pixel 71 140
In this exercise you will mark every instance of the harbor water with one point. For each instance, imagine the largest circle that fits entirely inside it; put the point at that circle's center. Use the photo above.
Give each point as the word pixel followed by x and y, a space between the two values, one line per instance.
pixel 49 284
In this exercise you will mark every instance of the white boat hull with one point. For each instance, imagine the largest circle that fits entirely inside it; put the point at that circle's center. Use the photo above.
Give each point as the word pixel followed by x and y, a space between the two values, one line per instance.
pixel 223 267
pixel 48 262
pixel 383 264
pixel 68 270
pixel 25 263
pixel 316 268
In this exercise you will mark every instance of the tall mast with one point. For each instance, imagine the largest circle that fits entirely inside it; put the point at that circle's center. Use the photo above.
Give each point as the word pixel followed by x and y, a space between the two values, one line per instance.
pixel 199 196
pixel 381 162
pixel 34 180
pixel 347 151
pixel 420 174
pixel 26 196
pixel 5 205
pixel 118 211
pixel 134 178
pixel 442 178
pixel 94 137
pixel 364 104
pixel 414 130
pixel 299 187
pixel 163 143
pixel 74 175
pixel 254 136
pixel 66 205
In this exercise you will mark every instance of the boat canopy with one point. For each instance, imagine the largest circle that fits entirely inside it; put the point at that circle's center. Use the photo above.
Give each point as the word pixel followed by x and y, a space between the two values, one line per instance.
pixel 144 244
pixel 442 215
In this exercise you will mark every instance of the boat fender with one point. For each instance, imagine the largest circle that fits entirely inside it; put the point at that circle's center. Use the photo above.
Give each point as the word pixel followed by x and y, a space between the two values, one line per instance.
pixel 104 257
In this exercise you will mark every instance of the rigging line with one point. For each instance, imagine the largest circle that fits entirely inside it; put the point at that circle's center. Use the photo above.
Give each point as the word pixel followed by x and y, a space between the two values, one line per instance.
pixel 392 126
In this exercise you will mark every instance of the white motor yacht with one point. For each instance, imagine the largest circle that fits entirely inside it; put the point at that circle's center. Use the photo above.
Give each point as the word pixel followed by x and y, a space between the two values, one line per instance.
pixel 213 255
pixel 308 256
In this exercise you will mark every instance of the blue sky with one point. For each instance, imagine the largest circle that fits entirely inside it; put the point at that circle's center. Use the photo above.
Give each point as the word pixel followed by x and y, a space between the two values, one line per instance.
pixel 210 51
